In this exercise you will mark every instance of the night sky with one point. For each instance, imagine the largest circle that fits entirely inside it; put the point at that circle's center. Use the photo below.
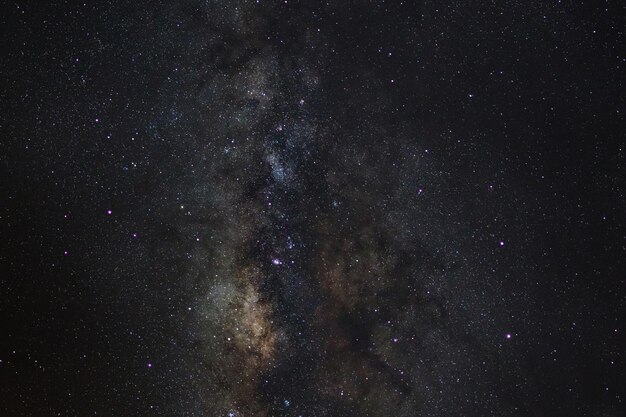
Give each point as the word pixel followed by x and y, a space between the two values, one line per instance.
pixel 318 209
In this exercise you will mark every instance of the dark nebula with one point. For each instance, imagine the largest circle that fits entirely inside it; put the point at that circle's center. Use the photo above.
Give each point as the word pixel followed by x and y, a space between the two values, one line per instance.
pixel 302 208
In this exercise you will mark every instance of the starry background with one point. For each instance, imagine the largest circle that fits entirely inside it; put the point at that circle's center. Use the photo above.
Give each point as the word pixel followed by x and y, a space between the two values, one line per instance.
pixel 299 208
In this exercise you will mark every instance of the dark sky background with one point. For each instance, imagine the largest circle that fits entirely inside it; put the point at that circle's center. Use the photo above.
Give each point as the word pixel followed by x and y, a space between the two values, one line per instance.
pixel 298 208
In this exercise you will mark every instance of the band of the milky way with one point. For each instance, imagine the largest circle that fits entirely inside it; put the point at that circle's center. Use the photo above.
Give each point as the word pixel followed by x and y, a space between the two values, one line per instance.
pixel 302 208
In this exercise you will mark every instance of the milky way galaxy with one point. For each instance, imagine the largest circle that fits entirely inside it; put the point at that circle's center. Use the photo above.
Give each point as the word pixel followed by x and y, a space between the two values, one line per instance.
pixel 323 209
